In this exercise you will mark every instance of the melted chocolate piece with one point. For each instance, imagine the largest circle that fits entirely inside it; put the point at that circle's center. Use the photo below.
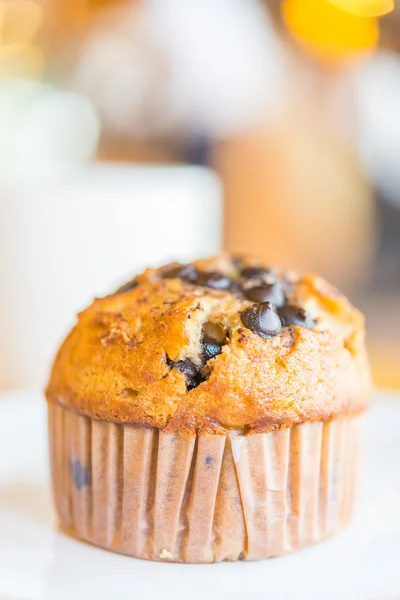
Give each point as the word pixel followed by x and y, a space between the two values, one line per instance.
pixel 266 293
pixel 214 280
pixel 193 376
pixel 127 287
pixel 214 333
pixel 187 367
pixel 185 272
pixel 214 337
pixel 255 272
pixel 190 370
pixel 262 319
pixel 295 315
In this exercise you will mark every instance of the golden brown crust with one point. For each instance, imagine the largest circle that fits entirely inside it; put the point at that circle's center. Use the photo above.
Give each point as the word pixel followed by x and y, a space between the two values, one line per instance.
pixel 119 361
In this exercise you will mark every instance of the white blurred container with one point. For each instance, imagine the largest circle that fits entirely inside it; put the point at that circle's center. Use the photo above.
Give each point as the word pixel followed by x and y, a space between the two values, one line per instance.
pixel 63 244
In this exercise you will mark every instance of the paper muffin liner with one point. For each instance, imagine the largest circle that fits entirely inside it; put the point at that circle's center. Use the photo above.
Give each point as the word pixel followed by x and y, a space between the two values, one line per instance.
pixel 209 498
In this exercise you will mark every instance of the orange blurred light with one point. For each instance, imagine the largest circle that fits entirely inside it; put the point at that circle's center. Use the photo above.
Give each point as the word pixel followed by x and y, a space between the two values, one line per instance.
pixel 327 31
pixel 22 60
pixel 365 8
pixel 20 21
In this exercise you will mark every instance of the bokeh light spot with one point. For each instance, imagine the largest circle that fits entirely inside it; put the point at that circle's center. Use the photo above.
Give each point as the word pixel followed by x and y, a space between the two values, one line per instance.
pixel 327 31
pixel 365 8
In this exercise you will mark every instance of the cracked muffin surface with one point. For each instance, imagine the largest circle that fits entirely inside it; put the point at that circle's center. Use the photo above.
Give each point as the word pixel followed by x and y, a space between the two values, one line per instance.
pixel 221 343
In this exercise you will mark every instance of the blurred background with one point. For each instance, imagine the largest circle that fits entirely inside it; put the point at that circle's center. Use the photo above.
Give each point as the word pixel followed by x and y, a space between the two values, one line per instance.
pixel 133 132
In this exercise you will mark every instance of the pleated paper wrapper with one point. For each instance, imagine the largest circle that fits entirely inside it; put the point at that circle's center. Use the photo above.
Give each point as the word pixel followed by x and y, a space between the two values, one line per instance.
pixel 209 498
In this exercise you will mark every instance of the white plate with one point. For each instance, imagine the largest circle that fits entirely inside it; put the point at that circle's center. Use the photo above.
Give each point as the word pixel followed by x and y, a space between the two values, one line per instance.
pixel 39 562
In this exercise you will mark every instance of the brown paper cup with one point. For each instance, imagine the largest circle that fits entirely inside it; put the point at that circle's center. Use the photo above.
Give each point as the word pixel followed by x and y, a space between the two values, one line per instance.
pixel 209 498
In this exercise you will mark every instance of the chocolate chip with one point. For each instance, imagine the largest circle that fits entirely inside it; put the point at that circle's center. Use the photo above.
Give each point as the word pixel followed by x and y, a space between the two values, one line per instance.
pixel 193 377
pixel 214 280
pixel 255 272
pixel 214 333
pixel 214 337
pixel 295 315
pixel 210 350
pixel 262 319
pixel 185 272
pixel 236 288
pixel 266 293
pixel 127 287
pixel 187 367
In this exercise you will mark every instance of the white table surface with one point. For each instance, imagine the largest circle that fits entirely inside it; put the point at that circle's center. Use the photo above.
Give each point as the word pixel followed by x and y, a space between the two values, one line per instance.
pixel 39 562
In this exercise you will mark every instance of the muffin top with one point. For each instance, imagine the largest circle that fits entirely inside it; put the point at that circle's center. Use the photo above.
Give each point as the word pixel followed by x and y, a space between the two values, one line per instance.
pixel 219 344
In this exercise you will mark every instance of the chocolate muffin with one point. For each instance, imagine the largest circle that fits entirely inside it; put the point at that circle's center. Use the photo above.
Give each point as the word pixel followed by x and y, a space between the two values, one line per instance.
pixel 209 412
